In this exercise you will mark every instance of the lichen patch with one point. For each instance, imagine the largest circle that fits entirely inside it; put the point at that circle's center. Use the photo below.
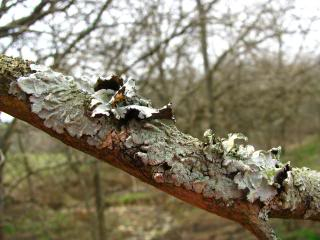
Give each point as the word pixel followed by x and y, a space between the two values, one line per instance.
pixel 58 100
pixel 74 106
pixel 253 171
pixel 116 96
pixel 221 168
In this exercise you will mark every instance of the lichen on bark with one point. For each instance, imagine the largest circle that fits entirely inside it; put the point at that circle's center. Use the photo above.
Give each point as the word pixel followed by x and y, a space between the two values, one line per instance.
pixel 72 105
pixel 252 171
pixel 222 169
pixel 302 190
pixel 10 69
pixel 116 96
pixel 218 168
pixel 58 100
pixel 220 175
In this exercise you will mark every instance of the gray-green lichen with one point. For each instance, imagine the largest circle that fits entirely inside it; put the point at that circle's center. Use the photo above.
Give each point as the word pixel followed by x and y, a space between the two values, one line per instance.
pixel 220 168
pixel 178 159
pixel 302 189
pixel 58 100
pixel 253 171
pixel 74 106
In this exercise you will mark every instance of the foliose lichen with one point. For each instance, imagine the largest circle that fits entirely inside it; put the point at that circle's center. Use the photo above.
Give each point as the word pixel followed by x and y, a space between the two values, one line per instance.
pixel 58 100
pixel 177 159
pixel 220 169
pixel 116 96
pixel 80 109
pixel 253 171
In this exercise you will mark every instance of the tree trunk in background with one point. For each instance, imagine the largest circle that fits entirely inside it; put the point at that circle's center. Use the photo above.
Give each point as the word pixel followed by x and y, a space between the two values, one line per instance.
pixel 99 200
pixel 74 166
pixel 28 169
pixel 1 195
pixel 206 64
pixel 4 147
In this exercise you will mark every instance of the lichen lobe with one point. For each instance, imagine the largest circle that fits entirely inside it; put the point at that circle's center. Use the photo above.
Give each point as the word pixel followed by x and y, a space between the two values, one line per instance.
pixel 253 171
pixel 116 96
pixel 58 100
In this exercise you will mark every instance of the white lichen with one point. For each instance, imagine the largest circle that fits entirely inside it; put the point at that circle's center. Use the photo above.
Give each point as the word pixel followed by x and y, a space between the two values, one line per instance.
pixel 58 100
pixel 118 98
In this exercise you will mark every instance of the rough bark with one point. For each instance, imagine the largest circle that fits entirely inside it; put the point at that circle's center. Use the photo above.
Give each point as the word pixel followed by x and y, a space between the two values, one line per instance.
pixel 233 181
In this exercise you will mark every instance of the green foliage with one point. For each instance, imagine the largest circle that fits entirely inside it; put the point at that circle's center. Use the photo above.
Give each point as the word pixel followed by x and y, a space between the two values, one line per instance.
pixel 301 234
pixel 129 198
pixel 9 229
pixel 307 154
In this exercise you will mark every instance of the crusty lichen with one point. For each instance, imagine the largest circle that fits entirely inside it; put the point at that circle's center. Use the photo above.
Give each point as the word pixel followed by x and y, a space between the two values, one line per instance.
pixel 178 159
pixel 302 189
pixel 223 169
pixel 10 69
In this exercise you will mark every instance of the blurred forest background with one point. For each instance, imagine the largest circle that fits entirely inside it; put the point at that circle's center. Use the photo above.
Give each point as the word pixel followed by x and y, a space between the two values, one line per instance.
pixel 234 66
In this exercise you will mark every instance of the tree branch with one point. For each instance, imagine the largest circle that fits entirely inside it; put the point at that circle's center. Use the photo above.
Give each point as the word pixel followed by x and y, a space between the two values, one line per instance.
pixel 20 25
pixel 115 125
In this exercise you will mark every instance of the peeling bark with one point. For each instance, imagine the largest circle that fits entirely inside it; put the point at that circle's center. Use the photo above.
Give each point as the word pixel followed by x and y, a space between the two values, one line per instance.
pixel 116 125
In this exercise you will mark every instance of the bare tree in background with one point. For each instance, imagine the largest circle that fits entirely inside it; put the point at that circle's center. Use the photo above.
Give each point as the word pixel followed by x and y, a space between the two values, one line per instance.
pixel 4 147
